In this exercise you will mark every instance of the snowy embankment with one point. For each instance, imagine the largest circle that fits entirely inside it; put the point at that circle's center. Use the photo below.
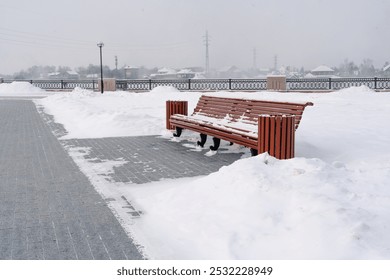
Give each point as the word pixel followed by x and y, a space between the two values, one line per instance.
pixel 18 89
pixel 87 114
pixel 330 202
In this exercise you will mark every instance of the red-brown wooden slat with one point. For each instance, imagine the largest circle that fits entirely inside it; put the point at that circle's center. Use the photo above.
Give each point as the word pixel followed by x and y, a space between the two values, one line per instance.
pixel 284 138
pixel 224 135
pixel 249 103
pixel 218 130
pixel 277 137
pixel 175 107
pixel 218 99
pixel 219 107
pixel 261 134
pixel 267 134
pixel 293 144
pixel 272 133
pixel 167 116
pixel 251 111
pixel 289 130
pixel 278 140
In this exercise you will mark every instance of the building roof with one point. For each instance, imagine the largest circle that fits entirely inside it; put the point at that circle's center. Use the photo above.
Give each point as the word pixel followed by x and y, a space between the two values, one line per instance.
pixel 185 71
pixel 310 75
pixel 54 74
pixel 322 68
pixel 231 68
pixel 166 70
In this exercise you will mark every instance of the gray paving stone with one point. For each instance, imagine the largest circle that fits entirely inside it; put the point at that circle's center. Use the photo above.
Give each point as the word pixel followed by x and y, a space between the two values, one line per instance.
pixel 151 158
pixel 35 251
pixel 43 195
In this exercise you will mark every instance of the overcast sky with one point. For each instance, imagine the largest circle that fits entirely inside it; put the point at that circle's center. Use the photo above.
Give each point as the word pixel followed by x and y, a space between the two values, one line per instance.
pixel 170 32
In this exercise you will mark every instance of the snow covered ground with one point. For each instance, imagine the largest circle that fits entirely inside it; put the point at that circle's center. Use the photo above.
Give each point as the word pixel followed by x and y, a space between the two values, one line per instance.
pixel 20 89
pixel 330 202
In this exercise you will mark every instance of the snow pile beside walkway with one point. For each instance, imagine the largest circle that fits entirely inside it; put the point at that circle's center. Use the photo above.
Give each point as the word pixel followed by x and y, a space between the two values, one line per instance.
pixel 263 208
pixel 20 89
pixel 88 114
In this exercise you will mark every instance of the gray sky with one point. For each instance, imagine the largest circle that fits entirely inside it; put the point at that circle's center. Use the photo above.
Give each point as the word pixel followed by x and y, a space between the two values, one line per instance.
pixel 170 32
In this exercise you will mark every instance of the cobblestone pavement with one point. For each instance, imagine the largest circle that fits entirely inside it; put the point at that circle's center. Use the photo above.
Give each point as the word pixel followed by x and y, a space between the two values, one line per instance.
pixel 151 158
pixel 48 208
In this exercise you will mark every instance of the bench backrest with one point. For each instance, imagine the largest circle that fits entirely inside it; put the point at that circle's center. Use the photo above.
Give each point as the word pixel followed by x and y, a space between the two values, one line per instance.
pixel 247 110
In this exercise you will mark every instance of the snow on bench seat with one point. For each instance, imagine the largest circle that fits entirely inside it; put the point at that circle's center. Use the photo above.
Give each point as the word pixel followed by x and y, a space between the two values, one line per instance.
pixel 233 119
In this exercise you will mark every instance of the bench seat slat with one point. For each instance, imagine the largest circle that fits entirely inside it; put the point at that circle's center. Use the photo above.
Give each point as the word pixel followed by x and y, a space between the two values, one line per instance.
pixel 250 118
pixel 246 106
pixel 219 133
pixel 249 130
pixel 219 100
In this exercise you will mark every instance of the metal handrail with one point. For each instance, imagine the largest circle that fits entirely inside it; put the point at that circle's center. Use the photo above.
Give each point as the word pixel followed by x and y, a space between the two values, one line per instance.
pixel 216 84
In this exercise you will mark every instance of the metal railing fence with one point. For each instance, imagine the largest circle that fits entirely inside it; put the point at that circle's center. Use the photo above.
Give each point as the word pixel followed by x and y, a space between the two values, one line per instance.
pixel 60 84
pixel 292 84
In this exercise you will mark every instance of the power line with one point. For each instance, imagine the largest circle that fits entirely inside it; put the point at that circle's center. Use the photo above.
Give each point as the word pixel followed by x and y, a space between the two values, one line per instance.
pixel 13 35
pixel 18 33
pixel 16 37
pixel 29 43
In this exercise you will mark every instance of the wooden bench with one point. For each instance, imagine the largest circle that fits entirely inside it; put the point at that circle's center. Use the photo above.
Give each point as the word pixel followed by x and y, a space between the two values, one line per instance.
pixel 233 119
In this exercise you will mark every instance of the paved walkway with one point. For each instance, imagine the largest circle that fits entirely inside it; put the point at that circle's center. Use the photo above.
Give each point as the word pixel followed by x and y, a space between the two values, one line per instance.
pixel 150 158
pixel 48 208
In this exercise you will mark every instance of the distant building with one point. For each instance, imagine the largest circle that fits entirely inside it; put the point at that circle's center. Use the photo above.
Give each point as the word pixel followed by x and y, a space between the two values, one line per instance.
pixel 70 75
pixel 196 69
pixel 386 70
pixel 164 73
pixel 294 75
pixel 92 76
pixel 185 74
pixel 310 76
pixel 323 71
pixel 230 72
pixel 169 73
pixel 54 75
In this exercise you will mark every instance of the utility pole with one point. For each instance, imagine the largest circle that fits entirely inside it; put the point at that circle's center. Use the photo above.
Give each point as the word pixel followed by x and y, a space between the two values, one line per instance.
pixel 207 43
pixel 276 62
pixel 116 62
pixel 100 45
pixel 254 58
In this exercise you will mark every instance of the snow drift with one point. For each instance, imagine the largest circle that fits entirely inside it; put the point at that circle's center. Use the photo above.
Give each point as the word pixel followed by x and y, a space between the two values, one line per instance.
pixel 20 89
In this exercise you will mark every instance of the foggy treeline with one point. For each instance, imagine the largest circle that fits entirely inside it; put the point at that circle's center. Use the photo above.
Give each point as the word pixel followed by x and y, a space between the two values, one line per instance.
pixel 346 69
pixel 83 72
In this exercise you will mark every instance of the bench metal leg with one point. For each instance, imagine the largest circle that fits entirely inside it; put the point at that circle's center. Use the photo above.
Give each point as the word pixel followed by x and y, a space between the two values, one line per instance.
pixel 216 141
pixel 203 139
pixel 178 132
pixel 231 144
pixel 254 152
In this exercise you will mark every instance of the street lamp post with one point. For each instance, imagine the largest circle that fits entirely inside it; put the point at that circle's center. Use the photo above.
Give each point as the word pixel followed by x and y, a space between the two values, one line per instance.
pixel 100 45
